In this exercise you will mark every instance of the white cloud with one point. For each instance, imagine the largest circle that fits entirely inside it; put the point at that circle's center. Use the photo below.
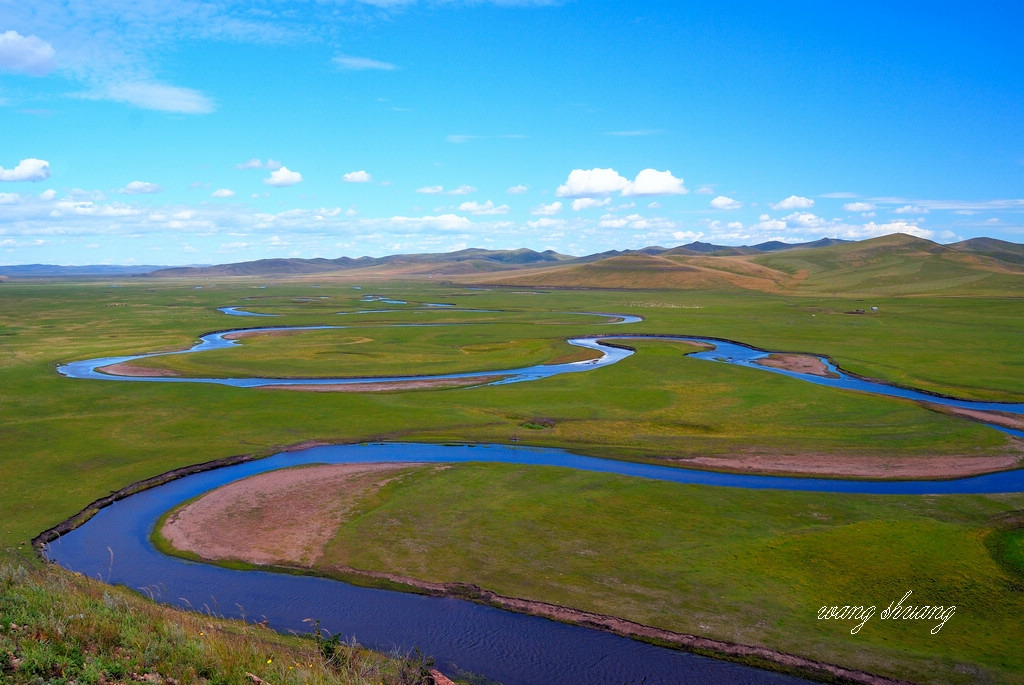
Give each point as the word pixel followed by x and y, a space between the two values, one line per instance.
pixel 30 169
pixel 349 63
pixel 546 222
pixel 805 220
pixel 141 188
pixel 872 230
pixel 26 54
pixel 590 182
pixel 273 164
pixel 583 183
pixel 723 202
pixel 589 203
pixel 283 177
pixel 794 202
pixel 547 210
pixel 156 96
pixel 439 190
pixel 910 209
pixel 859 207
pixel 653 182
pixel 486 208
pixel 356 177
pixel 48 194
pixel 517 190
pixel 253 163
pixel 705 190
pixel 223 192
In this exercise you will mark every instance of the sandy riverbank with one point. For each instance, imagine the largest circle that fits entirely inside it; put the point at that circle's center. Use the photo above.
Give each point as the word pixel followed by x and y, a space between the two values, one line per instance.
pixel 284 516
pixel 799 363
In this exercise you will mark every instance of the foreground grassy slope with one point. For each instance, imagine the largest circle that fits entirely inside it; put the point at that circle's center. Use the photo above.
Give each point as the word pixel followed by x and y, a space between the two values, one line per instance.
pixel 58 627
pixel 751 567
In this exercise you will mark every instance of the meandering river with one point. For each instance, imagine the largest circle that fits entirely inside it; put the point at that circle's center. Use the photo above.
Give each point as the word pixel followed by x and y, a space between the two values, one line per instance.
pixel 512 648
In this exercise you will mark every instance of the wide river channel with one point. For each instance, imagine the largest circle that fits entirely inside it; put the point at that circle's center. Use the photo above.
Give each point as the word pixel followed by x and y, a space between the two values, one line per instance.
pixel 462 636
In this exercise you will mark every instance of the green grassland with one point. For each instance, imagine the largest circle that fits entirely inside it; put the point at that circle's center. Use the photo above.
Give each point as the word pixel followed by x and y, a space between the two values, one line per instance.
pixel 67 442
pixel 746 566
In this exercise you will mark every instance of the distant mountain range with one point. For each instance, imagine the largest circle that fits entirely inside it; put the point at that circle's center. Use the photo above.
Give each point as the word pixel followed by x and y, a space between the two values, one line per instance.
pixel 893 264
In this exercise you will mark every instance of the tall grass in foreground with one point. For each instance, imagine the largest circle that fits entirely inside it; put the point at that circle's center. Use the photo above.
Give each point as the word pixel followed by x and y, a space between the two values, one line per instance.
pixel 59 627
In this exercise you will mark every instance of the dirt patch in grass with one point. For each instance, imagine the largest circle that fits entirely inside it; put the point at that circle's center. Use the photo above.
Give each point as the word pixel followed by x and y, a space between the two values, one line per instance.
pixel 284 516
pixel 277 333
pixel 897 468
pixel 370 386
pixel 129 369
pixel 799 363
pixel 998 418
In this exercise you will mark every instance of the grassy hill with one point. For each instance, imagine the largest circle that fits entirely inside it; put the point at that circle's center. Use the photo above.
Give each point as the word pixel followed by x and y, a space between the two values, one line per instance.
pixel 896 264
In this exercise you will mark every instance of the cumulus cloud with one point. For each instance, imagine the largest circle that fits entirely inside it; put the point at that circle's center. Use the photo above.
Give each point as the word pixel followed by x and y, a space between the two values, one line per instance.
pixel 653 182
pixel 253 163
pixel 356 177
pixel 794 202
pixel 859 207
pixel 223 192
pixel 517 190
pixel 590 182
pixel 350 63
pixel 547 210
pixel 26 54
pixel 486 208
pixel 30 169
pixel 583 183
pixel 589 203
pixel 283 177
pixel 705 190
pixel 723 202
pixel 141 188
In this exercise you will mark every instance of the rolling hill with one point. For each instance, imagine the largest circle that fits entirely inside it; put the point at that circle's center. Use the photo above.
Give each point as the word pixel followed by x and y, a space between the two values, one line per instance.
pixel 896 264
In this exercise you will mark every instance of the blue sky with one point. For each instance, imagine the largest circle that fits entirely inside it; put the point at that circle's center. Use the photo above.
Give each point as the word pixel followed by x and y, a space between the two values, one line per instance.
pixel 197 132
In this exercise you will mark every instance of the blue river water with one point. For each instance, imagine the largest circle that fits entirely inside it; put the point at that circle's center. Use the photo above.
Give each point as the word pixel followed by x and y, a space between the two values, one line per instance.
pixel 511 648
pixel 462 636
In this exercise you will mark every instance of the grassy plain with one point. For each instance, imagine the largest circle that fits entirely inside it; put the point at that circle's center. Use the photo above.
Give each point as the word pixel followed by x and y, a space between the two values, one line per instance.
pixel 66 442
pixel 751 567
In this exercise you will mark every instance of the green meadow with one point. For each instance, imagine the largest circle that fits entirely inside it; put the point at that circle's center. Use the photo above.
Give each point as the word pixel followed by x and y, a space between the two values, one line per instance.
pixel 748 566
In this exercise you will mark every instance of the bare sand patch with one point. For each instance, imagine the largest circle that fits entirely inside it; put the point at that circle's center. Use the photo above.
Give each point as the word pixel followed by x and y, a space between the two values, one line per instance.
pixel 276 333
pixel 381 386
pixel 129 369
pixel 998 418
pixel 799 363
pixel 895 467
pixel 284 516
